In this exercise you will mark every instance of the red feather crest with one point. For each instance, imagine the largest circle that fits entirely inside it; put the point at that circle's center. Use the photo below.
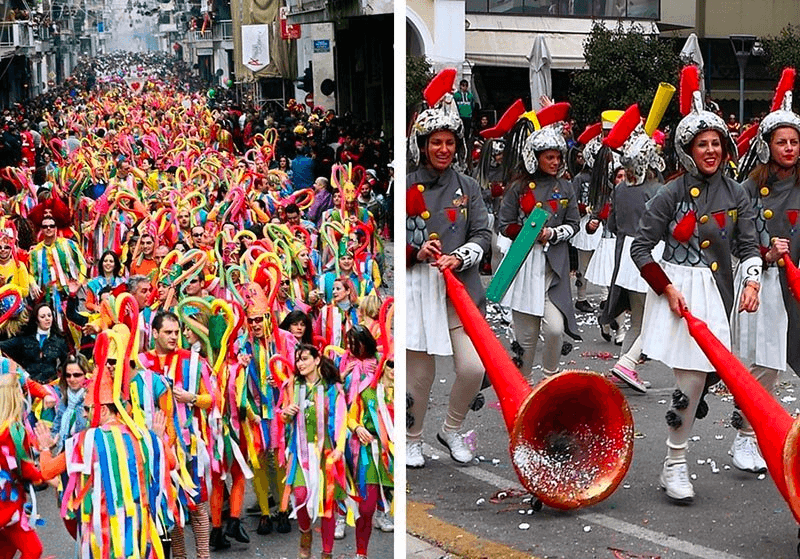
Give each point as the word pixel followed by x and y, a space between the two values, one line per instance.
pixel 623 127
pixel 441 84
pixel 785 84
pixel 690 82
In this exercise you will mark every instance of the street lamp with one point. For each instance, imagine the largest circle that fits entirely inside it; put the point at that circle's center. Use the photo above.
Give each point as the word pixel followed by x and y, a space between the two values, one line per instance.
pixel 743 47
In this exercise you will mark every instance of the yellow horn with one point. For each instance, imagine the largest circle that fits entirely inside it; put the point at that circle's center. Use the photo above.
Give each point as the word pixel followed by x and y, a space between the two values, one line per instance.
pixel 659 107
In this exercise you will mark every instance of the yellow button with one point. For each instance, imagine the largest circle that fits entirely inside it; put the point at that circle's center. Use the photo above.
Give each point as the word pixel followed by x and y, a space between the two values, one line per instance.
pixel 705 244
pixel 764 191
pixel 531 185
pixel 421 187
pixel 426 214
pixel 781 262
pixel 703 218
pixel 714 266
pixel 538 204
pixel 695 192
pixel 433 236
pixel 768 214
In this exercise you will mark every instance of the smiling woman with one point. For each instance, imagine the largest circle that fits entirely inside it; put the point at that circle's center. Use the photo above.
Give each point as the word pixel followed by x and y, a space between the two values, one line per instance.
pixel 449 230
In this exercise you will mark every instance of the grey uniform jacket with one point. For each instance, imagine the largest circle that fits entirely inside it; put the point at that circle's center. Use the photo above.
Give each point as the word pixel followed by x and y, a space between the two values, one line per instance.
pixel 725 225
pixel 777 208
pixel 558 197
pixel 459 217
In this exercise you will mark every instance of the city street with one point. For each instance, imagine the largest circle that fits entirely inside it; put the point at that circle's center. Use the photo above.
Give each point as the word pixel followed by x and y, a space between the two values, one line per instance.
pixel 478 510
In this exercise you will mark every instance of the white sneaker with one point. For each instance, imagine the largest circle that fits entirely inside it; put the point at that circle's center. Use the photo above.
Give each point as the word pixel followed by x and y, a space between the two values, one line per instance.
pixel 619 336
pixel 675 481
pixel 414 457
pixel 746 455
pixel 459 451
pixel 338 532
pixel 383 521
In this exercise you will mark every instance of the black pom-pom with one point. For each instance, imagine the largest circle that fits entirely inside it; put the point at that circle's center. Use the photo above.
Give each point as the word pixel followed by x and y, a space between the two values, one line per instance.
pixel 409 420
pixel 517 349
pixel 477 402
pixel 566 347
pixel 680 401
pixel 673 419
pixel 737 421
pixel 409 400
pixel 702 409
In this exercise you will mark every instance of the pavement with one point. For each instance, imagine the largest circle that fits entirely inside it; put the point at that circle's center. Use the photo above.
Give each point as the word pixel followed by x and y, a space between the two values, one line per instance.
pixel 480 510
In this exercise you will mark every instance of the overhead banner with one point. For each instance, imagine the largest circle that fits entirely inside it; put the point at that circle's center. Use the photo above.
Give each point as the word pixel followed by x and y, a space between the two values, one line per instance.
pixel 255 46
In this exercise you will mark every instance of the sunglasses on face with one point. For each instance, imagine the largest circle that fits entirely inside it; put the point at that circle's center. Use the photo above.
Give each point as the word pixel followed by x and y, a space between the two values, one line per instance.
pixel 111 363
pixel 255 319
pixel 52 226
pixel 73 375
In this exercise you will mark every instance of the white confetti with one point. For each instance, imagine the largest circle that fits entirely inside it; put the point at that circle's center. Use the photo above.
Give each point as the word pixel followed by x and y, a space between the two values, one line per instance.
pixel 693 476
pixel 526 500
pixel 701 462
pixel 626 485
pixel 444 380
pixel 524 526
pixel 481 458
pixel 761 476
pixel 530 511
pixel 662 401
pixel 787 399
pixel 719 437
pixel 434 456
pixel 726 467
pixel 696 438
pixel 480 501
pixel 587 529
pixel 495 461
pixel 522 511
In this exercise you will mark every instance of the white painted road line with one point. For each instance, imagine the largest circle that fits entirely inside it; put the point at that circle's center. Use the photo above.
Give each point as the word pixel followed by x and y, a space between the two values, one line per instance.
pixel 606 521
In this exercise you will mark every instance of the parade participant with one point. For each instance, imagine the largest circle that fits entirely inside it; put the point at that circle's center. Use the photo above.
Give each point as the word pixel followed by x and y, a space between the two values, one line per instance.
pixel 704 218
pixel 540 291
pixel 41 349
pixel 53 261
pixel 323 200
pixel 109 274
pixel 143 260
pixel 628 288
pixel 12 270
pixel 299 325
pixel 257 348
pixel 338 316
pixel 69 419
pixel 454 236
pixel 370 421
pixel 17 470
pixel 125 518
pixel 765 340
pixel 314 412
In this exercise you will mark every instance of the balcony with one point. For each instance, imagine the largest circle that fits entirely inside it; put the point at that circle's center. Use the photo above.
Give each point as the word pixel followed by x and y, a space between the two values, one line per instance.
pixel 200 36
pixel 223 30
pixel 14 35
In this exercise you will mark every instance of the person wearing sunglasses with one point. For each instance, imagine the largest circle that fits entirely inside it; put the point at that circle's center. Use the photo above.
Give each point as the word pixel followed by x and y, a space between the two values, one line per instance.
pixel 69 417
pixel 53 262
pixel 11 269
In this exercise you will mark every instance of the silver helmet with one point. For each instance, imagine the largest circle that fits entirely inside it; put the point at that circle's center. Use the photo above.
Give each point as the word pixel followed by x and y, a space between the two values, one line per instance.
pixel 774 120
pixel 444 116
pixel 696 122
pixel 639 154
pixel 548 137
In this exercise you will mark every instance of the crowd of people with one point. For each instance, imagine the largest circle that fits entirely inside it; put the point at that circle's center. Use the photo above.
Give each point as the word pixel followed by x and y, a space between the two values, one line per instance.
pixel 657 244
pixel 193 297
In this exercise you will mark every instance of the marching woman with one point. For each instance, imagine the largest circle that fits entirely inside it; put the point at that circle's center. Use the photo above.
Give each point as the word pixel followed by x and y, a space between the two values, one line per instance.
pixel 540 293
pixel 315 414
pixel 628 200
pixel 760 339
pixel 704 218
pixel 447 228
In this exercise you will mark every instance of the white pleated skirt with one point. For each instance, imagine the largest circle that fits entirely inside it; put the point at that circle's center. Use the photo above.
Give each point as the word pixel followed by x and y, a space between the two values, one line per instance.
pixel 600 269
pixel 426 311
pixel 665 336
pixel 586 241
pixel 759 338
pixel 628 276
pixel 526 292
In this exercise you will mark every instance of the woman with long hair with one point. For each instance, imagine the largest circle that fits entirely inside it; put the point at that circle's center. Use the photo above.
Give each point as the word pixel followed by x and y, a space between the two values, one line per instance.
pixel 300 326
pixel 314 448
pixel 41 349
pixel 110 273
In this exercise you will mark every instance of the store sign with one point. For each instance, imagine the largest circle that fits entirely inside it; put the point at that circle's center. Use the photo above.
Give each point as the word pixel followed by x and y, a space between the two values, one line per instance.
pixel 322 45
pixel 288 31
pixel 255 46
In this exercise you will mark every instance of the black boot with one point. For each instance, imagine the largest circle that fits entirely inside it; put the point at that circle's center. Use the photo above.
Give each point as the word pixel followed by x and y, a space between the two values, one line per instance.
pixel 264 525
pixel 236 531
pixel 282 524
pixel 217 539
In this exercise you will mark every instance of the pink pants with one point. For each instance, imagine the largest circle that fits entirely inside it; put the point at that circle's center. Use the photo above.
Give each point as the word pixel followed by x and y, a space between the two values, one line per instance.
pixel 366 509
pixel 304 521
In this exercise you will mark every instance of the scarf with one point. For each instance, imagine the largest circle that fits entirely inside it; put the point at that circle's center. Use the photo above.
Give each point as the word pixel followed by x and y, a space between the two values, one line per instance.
pixel 69 417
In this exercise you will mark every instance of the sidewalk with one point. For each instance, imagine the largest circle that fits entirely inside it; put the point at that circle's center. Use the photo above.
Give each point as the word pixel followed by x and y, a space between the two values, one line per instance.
pixel 419 549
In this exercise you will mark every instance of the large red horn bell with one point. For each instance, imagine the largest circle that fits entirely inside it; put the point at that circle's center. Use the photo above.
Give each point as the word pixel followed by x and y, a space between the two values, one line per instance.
pixel 571 436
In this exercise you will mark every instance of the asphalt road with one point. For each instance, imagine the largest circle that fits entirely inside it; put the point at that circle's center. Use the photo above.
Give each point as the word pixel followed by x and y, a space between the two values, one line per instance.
pixel 735 514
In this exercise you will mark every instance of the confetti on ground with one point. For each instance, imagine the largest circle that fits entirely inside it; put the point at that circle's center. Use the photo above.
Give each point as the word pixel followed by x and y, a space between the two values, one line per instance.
pixel 480 501
pixel 761 476
pixel 524 526
pixel 587 529
pixel 693 476
pixel 604 355
pixel 719 437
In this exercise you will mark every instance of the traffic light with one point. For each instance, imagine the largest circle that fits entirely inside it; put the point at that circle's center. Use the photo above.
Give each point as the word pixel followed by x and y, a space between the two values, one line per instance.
pixel 306 83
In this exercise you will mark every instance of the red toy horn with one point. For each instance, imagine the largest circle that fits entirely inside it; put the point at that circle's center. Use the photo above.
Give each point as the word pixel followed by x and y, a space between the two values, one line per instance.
pixel 786 83
pixel 623 127
pixel 441 84
pixel 690 82
pixel 745 139
pixel 575 420
pixel 512 114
